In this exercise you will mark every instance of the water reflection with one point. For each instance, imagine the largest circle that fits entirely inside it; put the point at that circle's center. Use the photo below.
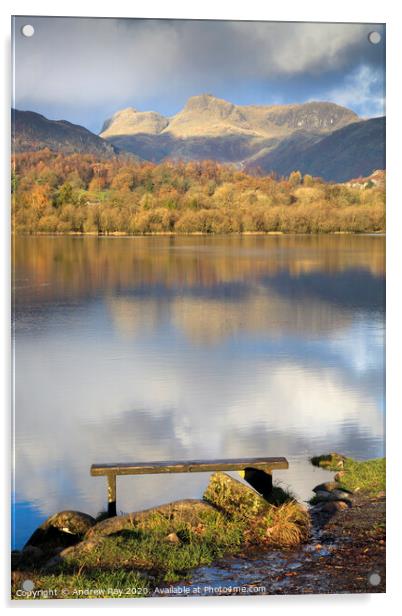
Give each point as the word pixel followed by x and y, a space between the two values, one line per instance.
pixel 157 348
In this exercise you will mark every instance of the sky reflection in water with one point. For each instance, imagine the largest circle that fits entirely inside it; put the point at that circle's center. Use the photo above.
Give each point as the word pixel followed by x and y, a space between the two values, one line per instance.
pixel 167 348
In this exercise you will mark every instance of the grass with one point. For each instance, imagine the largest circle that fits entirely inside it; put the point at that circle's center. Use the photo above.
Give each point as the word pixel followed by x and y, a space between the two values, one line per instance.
pixel 280 520
pixel 286 524
pixel 366 476
pixel 147 548
pixel 84 583
pixel 139 558
pixel 166 545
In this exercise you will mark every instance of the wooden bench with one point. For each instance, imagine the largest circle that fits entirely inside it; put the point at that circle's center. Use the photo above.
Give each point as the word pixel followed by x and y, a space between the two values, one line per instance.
pixel 267 465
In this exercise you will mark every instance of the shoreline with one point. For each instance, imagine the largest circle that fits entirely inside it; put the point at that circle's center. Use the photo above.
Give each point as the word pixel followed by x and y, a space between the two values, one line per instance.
pixel 333 546
pixel 195 233
pixel 345 554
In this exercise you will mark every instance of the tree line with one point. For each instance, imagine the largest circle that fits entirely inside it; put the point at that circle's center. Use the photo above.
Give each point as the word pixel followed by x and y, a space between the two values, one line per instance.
pixel 78 193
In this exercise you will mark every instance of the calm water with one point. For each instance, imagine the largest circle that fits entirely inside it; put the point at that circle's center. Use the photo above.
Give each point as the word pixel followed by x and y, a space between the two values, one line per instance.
pixel 166 348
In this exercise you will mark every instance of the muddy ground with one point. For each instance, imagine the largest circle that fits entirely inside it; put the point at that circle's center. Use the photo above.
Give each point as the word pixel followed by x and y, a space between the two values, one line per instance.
pixel 345 554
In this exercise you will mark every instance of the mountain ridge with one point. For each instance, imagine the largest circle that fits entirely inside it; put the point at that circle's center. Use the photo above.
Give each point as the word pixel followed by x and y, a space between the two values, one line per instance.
pixel 317 138
pixel 355 150
pixel 207 115
pixel 32 131
pixel 211 127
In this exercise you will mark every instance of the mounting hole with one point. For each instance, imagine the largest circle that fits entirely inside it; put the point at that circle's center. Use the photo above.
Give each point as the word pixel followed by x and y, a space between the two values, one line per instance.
pixel 28 585
pixel 374 38
pixel 28 30
pixel 374 579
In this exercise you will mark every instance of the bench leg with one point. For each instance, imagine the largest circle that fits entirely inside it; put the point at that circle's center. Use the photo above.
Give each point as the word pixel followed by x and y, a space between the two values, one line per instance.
pixel 111 496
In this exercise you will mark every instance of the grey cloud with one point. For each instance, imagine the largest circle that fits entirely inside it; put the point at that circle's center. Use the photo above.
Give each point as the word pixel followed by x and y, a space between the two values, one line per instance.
pixel 178 409
pixel 83 61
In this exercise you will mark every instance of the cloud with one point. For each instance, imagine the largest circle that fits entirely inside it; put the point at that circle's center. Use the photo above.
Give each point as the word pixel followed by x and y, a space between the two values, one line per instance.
pixel 86 62
pixel 152 396
pixel 363 89
pixel 170 409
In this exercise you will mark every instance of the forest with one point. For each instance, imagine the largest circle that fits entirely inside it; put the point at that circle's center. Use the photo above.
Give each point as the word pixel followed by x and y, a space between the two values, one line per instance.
pixel 79 193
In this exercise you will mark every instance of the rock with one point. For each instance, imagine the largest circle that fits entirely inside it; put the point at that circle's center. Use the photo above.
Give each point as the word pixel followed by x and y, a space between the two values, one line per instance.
pixel 30 555
pixel 287 524
pixel 334 506
pixel 73 552
pixel 16 557
pixel 72 522
pixel 32 552
pixel 61 530
pixel 337 459
pixel 331 461
pixel 321 495
pixel 172 538
pixel 326 497
pixel 328 486
pixel 342 494
pixel 339 475
pixel 70 550
pixel 233 497
pixel 188 511
pixel 52 563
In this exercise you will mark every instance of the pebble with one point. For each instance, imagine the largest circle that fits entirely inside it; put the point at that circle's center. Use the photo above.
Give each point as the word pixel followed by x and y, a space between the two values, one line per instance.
pixel 334 506
pixel 172 538
pixel 342 494
pixel 328 486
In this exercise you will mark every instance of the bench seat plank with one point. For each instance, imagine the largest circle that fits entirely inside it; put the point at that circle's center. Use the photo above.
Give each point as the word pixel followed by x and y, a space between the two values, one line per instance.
pixel 188 466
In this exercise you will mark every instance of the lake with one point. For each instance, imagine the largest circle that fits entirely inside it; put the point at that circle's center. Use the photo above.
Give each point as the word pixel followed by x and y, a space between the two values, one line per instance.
pixel 156 348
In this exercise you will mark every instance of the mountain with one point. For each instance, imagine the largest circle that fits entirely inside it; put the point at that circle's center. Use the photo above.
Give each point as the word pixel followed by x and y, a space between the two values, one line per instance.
pixel 321 139
pixel 32 131
pixel 353 151
pixel 210 127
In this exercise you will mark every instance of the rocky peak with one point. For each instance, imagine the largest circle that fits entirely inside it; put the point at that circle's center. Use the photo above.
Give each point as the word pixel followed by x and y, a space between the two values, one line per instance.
pixel 311 116
pixel 207 102
pixel 130 121
pixel 205 115
pixel 122 113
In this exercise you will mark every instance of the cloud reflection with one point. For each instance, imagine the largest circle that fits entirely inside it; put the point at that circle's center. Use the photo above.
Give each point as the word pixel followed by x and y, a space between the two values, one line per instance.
pixel 218 362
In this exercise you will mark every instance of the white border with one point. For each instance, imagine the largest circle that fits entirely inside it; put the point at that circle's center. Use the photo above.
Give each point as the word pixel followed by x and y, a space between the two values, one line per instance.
pixel 306 10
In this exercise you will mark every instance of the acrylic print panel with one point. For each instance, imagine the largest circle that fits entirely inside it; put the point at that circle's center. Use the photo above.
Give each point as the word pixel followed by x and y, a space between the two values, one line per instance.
pixel 198 308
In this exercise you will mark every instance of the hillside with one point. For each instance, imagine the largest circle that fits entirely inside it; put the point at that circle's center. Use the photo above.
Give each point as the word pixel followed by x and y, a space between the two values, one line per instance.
pixel 353 151
pixel 208 116
pixel 32 131
pixel 209 127
pixel 78 193
pixel 319 139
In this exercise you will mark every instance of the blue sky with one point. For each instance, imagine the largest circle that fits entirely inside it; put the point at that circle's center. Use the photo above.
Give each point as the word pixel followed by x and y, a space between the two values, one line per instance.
pixel 83 70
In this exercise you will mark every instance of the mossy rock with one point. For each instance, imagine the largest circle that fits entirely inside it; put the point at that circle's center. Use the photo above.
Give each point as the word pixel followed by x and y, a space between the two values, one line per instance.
pixel 331 461
pixel 61 530
pixel 187 511
pixel 366 476
pixel 264 522
pixel 165 541
pixel 233 497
